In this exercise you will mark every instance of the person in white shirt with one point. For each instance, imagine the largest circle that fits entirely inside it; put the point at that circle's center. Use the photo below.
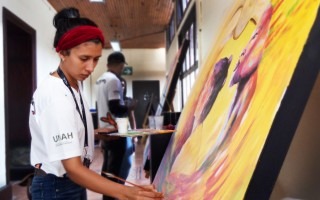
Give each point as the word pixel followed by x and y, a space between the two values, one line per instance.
pixel 110 88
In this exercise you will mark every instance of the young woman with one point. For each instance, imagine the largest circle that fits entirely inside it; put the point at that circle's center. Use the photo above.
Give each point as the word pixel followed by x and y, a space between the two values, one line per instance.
pixel 61 127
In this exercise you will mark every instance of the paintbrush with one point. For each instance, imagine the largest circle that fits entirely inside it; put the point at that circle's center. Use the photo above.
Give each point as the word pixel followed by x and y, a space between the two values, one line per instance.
pixel 121 179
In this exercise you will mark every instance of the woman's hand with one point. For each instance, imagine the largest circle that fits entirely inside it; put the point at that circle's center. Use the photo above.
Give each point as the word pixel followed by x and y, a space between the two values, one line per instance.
pixel 143 193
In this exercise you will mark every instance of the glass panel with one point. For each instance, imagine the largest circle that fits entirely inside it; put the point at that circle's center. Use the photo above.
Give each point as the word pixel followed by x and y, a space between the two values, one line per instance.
pixel 189 68
pixel 192 41
pixel 188 59
pixel 184 4
pixel 177 98
pixel 170 31
pixel 179 11
pixel 184 91
pixel 188 86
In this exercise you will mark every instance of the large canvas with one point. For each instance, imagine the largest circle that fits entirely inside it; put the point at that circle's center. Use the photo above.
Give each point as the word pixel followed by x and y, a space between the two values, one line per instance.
pixel 236 98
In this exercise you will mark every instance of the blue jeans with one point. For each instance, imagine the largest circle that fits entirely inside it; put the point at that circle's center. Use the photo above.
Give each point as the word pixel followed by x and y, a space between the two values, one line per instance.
pixel 52 187
pixel 127 159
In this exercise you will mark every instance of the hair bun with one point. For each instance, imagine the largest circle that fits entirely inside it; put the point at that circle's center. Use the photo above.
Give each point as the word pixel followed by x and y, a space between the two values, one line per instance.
pixel 67 19
pixel 72 13
pixel 65 14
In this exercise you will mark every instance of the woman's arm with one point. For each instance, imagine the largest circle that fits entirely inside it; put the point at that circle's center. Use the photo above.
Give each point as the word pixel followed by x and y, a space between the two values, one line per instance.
pixel 93 181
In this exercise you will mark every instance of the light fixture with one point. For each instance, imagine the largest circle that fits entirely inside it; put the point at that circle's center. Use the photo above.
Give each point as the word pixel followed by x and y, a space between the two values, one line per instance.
pixel 97 1
pixel 115 44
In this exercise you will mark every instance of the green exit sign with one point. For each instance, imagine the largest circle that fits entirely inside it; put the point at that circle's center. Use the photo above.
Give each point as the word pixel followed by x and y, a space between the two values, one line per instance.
pixel 127 70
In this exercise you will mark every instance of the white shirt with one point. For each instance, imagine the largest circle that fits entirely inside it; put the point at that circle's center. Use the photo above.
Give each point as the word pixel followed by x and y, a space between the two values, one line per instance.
pixel 108 87
pixel 57 130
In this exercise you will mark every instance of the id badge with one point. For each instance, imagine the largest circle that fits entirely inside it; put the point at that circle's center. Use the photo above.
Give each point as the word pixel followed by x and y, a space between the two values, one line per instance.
pixel 86 160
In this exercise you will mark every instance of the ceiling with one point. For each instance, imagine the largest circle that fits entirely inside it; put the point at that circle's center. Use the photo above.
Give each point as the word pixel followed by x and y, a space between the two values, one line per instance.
pixel 135 23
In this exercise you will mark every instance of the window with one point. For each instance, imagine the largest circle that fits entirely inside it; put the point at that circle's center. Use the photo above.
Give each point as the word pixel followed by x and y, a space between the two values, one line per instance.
pixel 190 63
pixel 170 31
pixel 189 69
pixel 181 7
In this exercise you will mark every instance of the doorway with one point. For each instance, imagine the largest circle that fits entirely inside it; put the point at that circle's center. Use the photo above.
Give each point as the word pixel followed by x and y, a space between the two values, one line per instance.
pixel 19 41
pixel 144 92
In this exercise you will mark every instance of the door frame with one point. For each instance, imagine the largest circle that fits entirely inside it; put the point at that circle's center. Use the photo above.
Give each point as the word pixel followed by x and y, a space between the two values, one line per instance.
pixel 9 17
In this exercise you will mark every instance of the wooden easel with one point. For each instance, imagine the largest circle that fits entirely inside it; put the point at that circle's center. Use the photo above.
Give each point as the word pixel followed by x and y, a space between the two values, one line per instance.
pixel 144 123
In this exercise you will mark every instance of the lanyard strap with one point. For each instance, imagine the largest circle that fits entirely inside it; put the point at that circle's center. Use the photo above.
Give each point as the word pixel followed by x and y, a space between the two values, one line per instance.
pixel 83 116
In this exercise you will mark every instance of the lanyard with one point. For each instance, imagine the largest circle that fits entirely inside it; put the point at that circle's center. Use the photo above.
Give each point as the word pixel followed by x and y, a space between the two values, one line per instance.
pixel 83 116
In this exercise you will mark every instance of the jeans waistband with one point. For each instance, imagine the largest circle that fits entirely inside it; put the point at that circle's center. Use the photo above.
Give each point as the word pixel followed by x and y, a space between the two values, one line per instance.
pixel 40 172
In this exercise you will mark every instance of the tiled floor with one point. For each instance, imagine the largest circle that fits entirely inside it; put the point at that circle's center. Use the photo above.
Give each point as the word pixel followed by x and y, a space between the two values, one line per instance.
pixel 136 174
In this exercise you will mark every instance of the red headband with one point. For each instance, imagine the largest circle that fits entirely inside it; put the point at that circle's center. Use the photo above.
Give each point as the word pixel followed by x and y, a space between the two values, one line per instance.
pixel 78 35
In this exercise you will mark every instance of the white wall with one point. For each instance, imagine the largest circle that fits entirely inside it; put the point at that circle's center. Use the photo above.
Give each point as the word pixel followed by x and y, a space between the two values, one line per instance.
pixel 210 16
pixel 38 14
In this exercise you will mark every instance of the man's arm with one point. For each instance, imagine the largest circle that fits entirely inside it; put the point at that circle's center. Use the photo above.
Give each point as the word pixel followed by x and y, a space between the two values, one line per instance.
pixel 117 109
pixel 132 120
